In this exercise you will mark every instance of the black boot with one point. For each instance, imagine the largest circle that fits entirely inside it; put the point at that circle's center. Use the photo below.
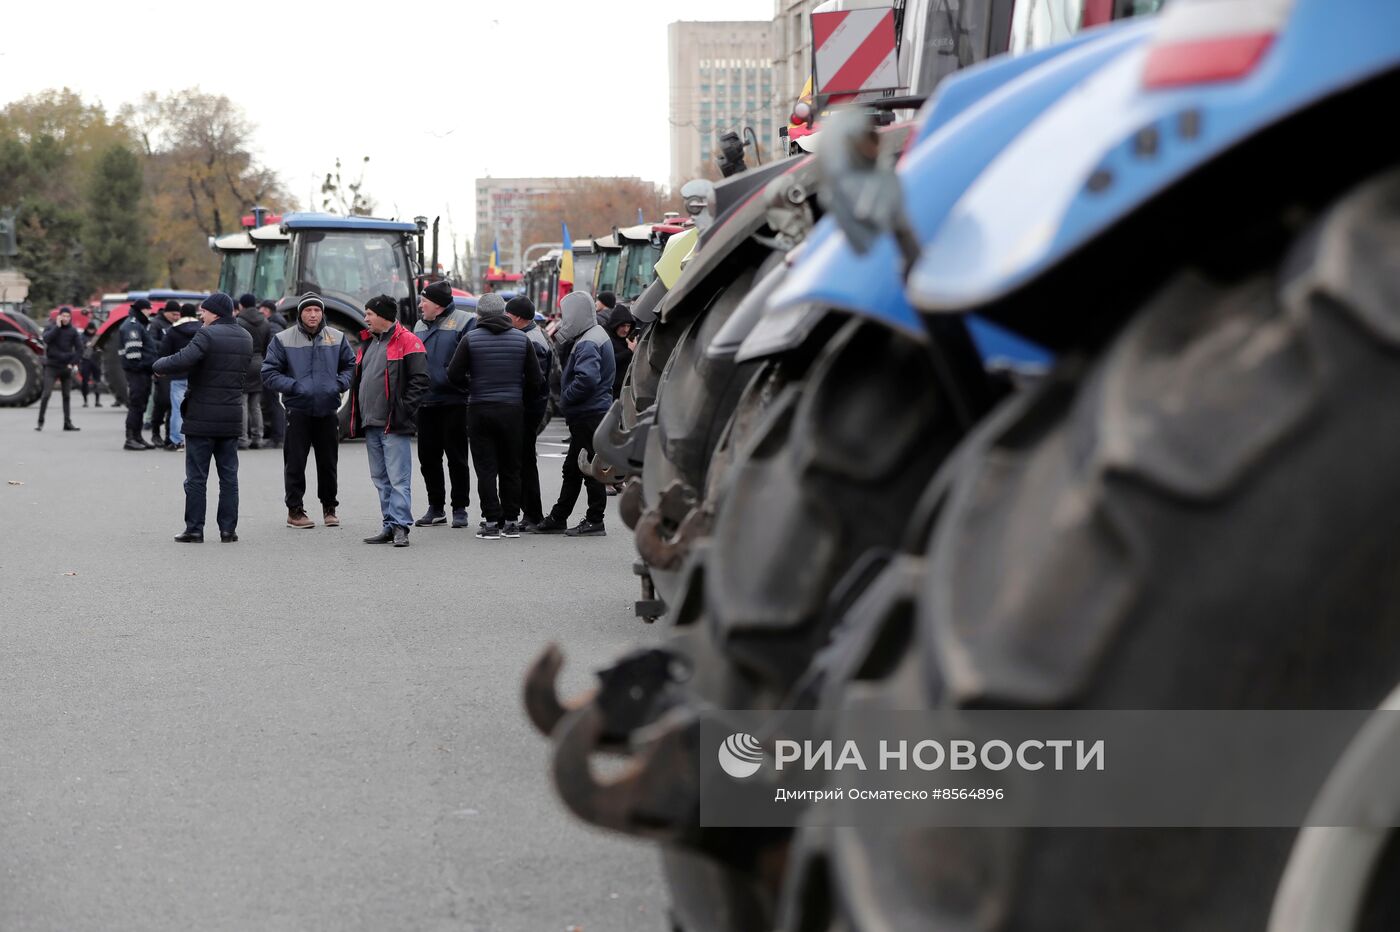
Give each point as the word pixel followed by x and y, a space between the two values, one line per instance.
pixel 69 425
pixel 40 425
pixel 134 442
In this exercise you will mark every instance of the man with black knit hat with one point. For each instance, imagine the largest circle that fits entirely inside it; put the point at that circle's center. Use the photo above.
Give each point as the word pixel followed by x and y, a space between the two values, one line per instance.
pixel 522 316
pixel 138 352
pixel 497 366
pixel 63 349
pixel 310 364
pixel 603 306
pixel 442 417
pixel 160 388
pixel 390 379
pixel 216 363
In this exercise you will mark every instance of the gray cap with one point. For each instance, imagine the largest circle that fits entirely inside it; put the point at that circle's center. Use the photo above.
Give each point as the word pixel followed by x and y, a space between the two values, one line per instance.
pixel 490 305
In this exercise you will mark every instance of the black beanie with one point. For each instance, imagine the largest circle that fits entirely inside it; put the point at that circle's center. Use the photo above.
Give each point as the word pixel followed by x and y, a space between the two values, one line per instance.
pixel 247 299
pixel 607 299
pixel 171 306
pixel 188 310
pixel 383 306
pixel 218 304
pixel 140 305
pixel 522 307
pixel 440 293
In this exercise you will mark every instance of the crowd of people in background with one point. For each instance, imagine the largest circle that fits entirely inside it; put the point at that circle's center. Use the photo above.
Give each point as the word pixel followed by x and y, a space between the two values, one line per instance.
pixel 472 388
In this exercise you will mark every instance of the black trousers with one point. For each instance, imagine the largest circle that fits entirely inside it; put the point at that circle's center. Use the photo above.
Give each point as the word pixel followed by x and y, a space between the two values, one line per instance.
pixel 495 443
pixel 274 416
pixel 442 429
pixel 161 412
pixel 138 392
pixel 304 434
pixel 64 377
pixel 581 430
pixel 531 508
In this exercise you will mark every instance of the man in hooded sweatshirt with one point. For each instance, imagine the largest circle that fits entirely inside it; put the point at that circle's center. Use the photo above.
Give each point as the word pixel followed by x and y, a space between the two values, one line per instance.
pixel 251 319
pixel 621 323
pixel 442 417
pixel 497 366
pixel 310 365
pixel 215 362
pixel 63 349
pixel 585 396
pixel 138 351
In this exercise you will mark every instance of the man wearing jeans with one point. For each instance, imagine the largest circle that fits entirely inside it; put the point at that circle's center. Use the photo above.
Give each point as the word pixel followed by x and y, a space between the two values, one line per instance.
pixel 177 338
pixel 215 363
pixel 390 379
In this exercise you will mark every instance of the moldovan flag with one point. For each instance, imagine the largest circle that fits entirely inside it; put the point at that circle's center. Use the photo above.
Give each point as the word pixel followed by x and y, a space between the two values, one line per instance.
pixel 493 264
pixel 566 265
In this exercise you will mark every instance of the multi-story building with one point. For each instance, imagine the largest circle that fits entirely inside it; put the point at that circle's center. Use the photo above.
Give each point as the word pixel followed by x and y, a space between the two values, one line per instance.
pixel 792 50
pixel 721 79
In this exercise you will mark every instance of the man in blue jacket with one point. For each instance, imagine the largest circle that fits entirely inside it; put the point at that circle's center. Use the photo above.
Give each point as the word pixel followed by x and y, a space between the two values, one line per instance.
pixel 310 364
pixel 442 415
pixel 585 396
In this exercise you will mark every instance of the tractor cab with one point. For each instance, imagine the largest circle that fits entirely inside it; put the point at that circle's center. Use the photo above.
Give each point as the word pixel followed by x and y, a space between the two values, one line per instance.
pixel 346 260
pixel 608 254
pixel 237 256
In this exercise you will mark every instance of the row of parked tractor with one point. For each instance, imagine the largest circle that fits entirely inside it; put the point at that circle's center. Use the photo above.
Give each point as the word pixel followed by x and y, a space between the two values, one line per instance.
pixel 1065 384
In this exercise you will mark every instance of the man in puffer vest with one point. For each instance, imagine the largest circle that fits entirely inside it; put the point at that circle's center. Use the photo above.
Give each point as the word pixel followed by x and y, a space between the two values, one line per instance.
pixel 310 365
pixel 585 396
pixel 497 366
pixel 442 417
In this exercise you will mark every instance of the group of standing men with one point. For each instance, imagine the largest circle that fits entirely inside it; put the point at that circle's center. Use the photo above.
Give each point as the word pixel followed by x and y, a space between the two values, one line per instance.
pixel 464 384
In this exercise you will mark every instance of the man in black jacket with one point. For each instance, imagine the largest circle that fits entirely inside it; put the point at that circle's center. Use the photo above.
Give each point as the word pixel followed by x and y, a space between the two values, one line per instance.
pixel 497 366
pixel 442 416
pixel 63 349
pixel 274 415
pixel 251 319
pixel 216 363
pixel 160 388
pixel 522 317
pixel 138 352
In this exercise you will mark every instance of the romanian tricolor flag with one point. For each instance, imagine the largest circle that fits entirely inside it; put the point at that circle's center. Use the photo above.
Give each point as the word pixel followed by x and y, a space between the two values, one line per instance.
pixel 566 266
pixel 493 264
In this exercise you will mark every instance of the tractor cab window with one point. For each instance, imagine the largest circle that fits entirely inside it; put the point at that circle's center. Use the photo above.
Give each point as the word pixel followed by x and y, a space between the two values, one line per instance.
pixel 270 270
pixel 607 269
pixel 353 266
pixel 638 269
pixel 955 35
pixel 1038 23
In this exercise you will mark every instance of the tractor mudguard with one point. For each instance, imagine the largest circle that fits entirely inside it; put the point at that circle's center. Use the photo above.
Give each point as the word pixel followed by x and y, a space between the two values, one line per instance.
pixel 746 317
pixel 936 173
pixel 1098 155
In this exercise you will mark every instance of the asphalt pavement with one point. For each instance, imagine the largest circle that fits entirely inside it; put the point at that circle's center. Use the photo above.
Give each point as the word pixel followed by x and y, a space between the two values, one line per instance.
pixel 298 731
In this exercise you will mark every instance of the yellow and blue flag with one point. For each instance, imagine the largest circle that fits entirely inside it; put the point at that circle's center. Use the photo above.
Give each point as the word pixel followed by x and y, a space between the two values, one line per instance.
pixel 493 265
pixel 566 265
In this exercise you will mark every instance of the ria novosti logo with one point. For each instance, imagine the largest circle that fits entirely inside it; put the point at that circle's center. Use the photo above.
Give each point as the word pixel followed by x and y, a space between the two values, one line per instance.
pixel 740 755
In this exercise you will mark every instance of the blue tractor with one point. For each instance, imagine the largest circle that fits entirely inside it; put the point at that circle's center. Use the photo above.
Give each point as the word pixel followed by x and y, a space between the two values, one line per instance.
pixel 1108 360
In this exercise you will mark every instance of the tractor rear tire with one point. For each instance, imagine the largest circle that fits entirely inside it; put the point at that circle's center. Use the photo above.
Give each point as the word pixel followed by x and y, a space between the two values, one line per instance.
pixel 1205 518
pixel 21 375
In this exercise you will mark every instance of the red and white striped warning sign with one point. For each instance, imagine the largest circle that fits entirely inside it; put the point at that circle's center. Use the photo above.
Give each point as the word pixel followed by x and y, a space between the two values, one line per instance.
pixel 855 51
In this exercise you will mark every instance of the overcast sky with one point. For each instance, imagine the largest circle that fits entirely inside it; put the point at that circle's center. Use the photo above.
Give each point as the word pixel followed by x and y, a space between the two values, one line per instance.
pixel 435 93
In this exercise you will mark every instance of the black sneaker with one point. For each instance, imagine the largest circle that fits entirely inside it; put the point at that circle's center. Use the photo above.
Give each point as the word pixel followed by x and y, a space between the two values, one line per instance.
pixel 432 516
pixel 189 537
pixel 385 536
pixel 459 517
pixel 587 529
pixel 488 531
pixel 511 529
pixel 529 527
pixel 228 537
pixel 551 525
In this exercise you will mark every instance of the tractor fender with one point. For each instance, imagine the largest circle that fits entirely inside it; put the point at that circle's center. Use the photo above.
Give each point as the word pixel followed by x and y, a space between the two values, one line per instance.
pixel 1098 155
pixel 938 170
